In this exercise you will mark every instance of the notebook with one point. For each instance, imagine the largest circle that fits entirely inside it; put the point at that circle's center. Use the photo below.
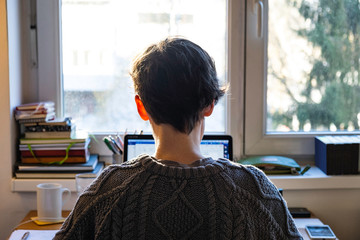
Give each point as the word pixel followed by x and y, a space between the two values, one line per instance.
pixel 215 146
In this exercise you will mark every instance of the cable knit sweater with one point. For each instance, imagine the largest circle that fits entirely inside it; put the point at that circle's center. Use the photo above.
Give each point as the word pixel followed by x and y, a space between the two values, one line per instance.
pixel 150 199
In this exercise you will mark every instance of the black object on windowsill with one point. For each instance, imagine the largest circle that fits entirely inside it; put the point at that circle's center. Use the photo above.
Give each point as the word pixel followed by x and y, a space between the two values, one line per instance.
pixel 299 212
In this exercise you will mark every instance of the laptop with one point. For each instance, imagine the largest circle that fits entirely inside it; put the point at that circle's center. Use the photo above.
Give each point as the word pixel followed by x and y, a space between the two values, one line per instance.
pixel 215 146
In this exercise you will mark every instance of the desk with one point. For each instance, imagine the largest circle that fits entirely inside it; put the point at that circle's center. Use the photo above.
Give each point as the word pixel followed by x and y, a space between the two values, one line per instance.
pixel 302 222
pixel 34 226
pixel 299 222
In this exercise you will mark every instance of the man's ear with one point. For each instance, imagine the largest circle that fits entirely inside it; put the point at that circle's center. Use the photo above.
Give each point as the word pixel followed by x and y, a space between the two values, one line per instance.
pixel 141 109
pixel 209 109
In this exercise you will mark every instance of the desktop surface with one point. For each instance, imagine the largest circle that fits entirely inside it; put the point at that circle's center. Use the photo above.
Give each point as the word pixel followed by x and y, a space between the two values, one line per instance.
pixel 31 225
pixel 299 222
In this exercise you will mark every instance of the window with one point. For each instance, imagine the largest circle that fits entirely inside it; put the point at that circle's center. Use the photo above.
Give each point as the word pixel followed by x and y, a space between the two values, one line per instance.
pixel 302 73
pixel 313 80
pixel 280 74
pixel 99 40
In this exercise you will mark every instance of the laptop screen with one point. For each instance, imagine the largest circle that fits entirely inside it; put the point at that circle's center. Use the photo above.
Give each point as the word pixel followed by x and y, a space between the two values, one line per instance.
pixel 215 146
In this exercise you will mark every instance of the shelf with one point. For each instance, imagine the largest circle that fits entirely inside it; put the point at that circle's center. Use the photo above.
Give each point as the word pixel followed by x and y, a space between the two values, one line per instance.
pixel 29 185
pixel 316 179
pixel 313 179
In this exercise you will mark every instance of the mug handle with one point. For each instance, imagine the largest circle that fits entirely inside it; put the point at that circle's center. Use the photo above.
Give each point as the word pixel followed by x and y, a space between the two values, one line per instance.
pixel 68 195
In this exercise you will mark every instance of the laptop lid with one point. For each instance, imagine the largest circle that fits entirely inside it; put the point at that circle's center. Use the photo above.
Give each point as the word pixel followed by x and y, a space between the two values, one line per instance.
pixel 215 146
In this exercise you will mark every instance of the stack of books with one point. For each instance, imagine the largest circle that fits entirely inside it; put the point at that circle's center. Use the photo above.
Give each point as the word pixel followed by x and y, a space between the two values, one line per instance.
pixel 51 148
pixel 56 157
pixel 55 150
pixel 38 120
pixel 35 112
pixel 66 170
pixel 338 155
pixel 58 128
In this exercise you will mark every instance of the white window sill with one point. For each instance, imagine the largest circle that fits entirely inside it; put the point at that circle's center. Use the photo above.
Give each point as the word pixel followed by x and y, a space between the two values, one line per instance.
pixel 316 179
pixel 29 185
pixel 313 179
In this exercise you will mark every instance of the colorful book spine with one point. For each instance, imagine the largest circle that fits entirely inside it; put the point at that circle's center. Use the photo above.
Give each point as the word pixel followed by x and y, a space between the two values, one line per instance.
pixel 54 153
pixel 57 174
pixel 48 135
pixel 55 160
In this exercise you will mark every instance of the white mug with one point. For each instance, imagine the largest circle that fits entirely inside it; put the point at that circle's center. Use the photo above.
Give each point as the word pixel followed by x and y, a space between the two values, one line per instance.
pixel 50 201
pixel 83 180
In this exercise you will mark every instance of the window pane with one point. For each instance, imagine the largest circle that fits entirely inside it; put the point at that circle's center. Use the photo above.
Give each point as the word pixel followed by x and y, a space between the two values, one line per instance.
pixel 313 81
pixel 101 37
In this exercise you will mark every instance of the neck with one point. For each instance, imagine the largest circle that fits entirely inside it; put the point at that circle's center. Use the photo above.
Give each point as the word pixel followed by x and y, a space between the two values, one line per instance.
pixel 176 146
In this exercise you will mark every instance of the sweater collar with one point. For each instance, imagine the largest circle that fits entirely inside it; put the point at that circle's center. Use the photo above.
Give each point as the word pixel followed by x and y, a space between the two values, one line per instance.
pixel 200 168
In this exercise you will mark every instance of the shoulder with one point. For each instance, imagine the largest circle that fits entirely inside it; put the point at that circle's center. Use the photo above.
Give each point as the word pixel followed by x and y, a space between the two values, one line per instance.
pixel 114 176
pixel 257 194
pixel 100 197
pixel 251 179
pixel 256 197
pixel 268 189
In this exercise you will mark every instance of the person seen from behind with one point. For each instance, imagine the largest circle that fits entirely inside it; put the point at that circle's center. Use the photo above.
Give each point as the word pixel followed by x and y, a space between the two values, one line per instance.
pixel 177 193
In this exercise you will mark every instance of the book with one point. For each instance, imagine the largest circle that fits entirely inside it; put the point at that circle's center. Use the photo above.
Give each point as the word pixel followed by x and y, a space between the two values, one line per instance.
pixel 47 135
pixel 36 105
pixel 55 146
pixel 51 159
pixel 50 126
pixel 88 166
pixel 273 164
pixel 36 111
pixel 32 120
pixel 54 153
pixel 24 115
pixel 58 122
pixel 57 174
pixel 77 138
pixel 337 155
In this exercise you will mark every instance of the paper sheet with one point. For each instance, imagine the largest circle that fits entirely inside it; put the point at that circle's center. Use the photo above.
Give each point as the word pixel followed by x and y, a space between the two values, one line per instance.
pixel 34 234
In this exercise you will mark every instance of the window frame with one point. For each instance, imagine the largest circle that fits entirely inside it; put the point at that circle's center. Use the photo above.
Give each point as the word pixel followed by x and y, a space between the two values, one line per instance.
pixel 256 140
pixel 245 111
pixel 49 52
pixel 246 73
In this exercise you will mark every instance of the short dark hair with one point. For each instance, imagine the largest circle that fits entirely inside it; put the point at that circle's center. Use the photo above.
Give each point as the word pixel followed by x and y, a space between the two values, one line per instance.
pixel 176 79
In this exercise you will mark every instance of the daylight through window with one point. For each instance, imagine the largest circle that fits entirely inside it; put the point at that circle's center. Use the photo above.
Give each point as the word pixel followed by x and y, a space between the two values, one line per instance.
pixel 101 37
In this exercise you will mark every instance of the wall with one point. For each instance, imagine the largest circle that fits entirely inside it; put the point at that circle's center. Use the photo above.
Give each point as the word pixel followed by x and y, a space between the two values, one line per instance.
pixel 338 208
pixel 16 88
pixel 14 76
pixel 10 202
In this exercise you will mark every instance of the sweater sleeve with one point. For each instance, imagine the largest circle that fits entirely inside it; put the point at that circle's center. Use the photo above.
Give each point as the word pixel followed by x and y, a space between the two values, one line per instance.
pixel 272 203
pixel 93 206
pixel 86 216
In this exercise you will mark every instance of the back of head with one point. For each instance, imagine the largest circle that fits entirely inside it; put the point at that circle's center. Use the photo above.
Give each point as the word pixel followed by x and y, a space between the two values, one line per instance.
pixel 176 79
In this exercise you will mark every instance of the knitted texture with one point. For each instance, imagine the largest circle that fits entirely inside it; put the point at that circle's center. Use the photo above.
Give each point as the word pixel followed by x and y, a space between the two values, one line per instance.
pixel 150 199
